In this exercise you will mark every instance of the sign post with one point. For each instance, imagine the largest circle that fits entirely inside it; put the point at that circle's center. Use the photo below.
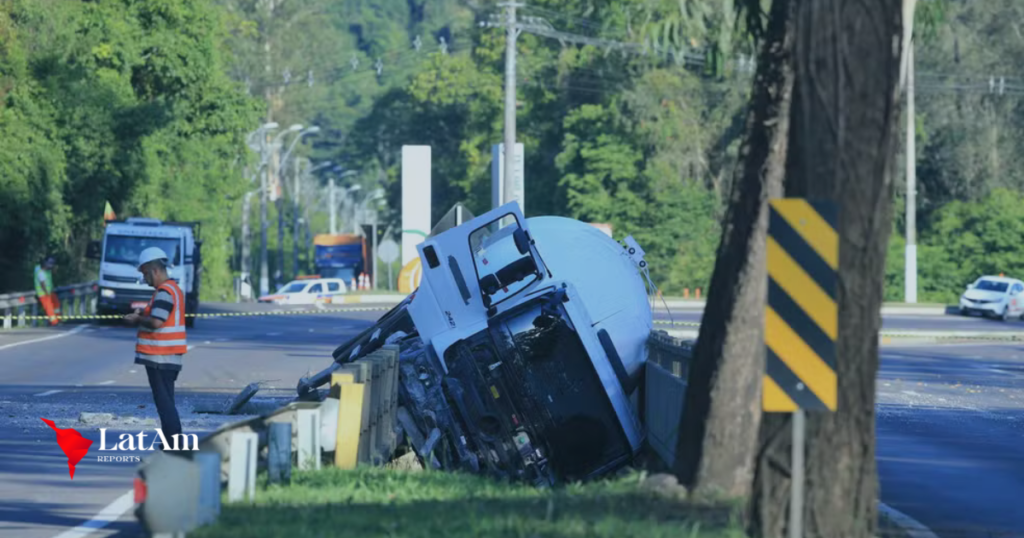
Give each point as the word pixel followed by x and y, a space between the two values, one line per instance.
pixel 388 254
pixel 801 324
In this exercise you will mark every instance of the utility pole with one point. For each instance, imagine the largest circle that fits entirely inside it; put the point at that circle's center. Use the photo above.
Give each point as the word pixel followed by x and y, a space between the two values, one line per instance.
pixel 264 271
pixel 373 232
pixel 246 205
pixel 512 34
pixel 910 269
pixel 330 203
pixel 295 223
pixel 279 271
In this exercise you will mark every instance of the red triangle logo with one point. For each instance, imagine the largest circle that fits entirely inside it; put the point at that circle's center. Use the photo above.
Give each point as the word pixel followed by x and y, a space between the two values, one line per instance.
pixel 72 443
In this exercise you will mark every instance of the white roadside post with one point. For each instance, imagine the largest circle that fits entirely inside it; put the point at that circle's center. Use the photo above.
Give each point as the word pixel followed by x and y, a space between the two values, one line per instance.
pixel 308 439
pixel 242 467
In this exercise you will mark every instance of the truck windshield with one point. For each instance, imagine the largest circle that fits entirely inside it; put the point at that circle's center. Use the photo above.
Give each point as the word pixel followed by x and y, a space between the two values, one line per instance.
pixel 127 248
pixel 556 374
pixel 501 268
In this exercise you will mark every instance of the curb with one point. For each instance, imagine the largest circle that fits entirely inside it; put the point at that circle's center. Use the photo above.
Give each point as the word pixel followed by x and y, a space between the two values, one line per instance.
pixel 913 527
pixel 903 337
pixel 691 305
pixel 369 299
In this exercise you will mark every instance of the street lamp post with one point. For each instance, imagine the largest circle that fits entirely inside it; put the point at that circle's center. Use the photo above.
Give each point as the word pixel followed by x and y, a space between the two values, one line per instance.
pixel 259 145
pixel 332 204
pixel 296 231
pixel 264 269
pixel 280 202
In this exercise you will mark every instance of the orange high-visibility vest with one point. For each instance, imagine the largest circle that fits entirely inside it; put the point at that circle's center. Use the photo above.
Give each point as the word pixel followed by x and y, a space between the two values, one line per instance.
pixel 170 338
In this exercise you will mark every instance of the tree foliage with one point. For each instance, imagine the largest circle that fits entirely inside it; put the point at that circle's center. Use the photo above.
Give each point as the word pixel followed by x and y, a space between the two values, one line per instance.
pixel 113 100
pixel 120 99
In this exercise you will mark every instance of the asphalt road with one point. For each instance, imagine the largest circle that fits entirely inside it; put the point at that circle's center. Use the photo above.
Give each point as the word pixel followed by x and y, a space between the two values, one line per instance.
pixel 950 429
pixel 91 369
pixel 949 423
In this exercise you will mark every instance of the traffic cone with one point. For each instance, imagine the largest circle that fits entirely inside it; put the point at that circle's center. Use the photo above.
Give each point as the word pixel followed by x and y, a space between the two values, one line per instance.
pixel 353 287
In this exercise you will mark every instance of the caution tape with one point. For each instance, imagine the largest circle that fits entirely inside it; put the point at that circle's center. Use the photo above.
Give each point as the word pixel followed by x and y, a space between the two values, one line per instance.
pixel 219 314
pixel 1014 337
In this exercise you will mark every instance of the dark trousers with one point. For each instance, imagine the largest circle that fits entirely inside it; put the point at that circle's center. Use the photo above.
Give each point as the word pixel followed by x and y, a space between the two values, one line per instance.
pixel 162 384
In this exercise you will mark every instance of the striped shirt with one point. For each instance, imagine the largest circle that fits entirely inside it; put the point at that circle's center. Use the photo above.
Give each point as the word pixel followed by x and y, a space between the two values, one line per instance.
pixel 162 305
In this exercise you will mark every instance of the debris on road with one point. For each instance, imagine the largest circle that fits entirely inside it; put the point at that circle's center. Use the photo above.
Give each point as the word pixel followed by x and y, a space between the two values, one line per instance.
pixel 95 418
pixel 247 393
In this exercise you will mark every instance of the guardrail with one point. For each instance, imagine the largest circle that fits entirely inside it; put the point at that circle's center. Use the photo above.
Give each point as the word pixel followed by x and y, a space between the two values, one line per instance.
pixel 665 382
pixel 75 299
pixel 671 353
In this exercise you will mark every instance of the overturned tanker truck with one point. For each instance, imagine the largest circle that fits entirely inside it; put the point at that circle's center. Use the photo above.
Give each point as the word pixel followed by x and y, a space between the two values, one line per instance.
pixel 522 350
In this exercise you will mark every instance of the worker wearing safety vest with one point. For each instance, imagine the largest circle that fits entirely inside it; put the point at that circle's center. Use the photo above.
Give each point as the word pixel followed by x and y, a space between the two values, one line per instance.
pixel 161 343
pixel 43 277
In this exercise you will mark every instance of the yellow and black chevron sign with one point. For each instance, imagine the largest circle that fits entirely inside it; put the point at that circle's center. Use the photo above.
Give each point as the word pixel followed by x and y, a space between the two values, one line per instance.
pixel 801 318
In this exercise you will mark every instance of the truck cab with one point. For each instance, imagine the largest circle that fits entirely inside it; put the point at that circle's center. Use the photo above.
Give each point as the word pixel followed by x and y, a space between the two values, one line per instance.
pixel 122 288
pixel 522 347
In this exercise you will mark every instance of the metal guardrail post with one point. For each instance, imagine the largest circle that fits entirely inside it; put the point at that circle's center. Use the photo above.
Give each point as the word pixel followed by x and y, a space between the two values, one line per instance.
pixel 74 299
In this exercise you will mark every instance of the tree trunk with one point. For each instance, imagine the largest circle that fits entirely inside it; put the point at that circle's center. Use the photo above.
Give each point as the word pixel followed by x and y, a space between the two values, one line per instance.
pixel 842 147
pixel 718 430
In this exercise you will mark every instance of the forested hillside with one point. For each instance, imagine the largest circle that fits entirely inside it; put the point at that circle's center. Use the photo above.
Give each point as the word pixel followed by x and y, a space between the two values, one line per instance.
pixel 114 100
pixel 632 116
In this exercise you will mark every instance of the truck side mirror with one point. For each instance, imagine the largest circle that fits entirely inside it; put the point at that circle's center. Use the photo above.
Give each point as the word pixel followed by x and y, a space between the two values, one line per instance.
pixel 522 241
pixel 94 250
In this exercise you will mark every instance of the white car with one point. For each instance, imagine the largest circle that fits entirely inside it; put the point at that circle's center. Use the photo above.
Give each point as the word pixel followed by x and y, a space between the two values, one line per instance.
pixel 994 296
pixel 307 291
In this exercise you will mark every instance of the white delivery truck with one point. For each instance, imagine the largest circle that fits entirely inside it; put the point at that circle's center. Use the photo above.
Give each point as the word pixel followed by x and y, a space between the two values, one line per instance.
pixel 122 288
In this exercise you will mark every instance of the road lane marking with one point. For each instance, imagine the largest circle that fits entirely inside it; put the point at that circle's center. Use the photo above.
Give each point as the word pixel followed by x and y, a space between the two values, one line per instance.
pixel 189 348
pixel 111 513
pixel 47 393
pixel 274 334
pixel 76 330
pixel 107 382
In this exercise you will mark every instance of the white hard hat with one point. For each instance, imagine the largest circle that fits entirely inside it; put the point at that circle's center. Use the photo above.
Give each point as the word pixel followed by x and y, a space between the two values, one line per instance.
pixel 150 254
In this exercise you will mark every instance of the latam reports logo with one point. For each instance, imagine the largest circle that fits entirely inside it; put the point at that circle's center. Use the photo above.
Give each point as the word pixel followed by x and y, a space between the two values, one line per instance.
pixel 72 443
pixel 75 446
